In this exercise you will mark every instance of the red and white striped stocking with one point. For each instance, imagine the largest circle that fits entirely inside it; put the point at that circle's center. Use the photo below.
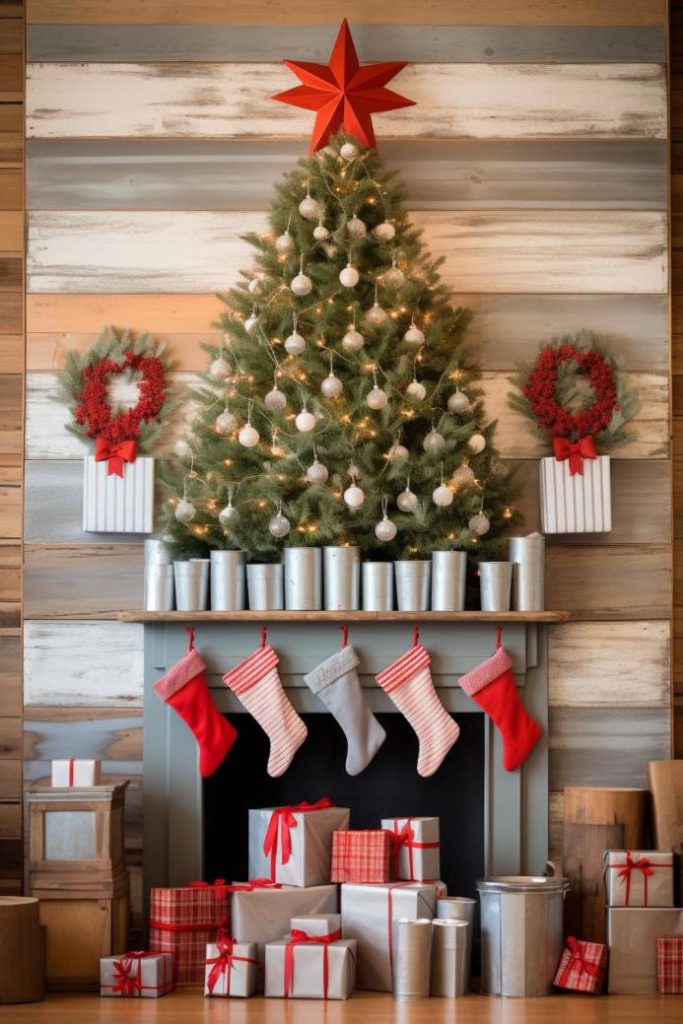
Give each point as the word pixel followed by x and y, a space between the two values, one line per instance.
pixel 256 683
pixel 408 681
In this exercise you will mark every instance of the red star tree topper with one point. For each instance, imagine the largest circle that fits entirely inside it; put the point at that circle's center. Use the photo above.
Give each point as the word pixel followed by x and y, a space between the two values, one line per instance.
pixel 344 93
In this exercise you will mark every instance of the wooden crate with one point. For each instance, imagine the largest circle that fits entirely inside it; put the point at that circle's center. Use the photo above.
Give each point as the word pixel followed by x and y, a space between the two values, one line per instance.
pixel 78 932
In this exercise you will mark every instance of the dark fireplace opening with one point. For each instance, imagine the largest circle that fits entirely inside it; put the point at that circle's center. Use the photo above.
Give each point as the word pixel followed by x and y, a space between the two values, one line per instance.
pixel 389 787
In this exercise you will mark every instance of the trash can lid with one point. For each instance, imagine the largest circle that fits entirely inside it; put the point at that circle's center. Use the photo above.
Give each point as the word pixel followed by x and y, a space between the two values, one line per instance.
pixel 523 884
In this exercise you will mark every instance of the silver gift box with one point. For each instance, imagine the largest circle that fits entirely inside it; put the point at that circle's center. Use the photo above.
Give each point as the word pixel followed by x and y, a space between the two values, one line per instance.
pixel 310 861
pixel 308 958
pixel 148 977
pixel 632 934
pixel 426 864
pixel 317 924
pixel 264 915
pixel 655 890
pixel 243 975
pixel 365 917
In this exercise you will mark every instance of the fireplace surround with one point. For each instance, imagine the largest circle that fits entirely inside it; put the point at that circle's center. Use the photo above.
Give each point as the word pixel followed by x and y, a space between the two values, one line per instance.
pixel 515 811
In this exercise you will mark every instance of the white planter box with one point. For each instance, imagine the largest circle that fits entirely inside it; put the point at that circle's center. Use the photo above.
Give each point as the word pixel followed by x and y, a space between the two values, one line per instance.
pixel 579 503
pixel 114 504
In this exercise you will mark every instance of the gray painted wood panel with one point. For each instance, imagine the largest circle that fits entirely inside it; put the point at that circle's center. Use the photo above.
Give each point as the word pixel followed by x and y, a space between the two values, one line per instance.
pixel 607 746
pixel 425 43
pixel 64 174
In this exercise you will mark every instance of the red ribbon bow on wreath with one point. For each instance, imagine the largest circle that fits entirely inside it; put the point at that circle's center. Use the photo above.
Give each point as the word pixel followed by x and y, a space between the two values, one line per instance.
pixel 115 454
pixel 299 938
pixel 576 452
pixel 282 821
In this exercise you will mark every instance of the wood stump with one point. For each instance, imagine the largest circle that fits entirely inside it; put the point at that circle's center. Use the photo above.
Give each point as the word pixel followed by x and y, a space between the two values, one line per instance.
pixel 22 970
pixel 597 819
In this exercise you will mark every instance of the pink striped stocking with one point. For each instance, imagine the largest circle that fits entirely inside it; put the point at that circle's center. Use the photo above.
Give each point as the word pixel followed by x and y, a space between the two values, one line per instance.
pixel 256 683
pixel 408 681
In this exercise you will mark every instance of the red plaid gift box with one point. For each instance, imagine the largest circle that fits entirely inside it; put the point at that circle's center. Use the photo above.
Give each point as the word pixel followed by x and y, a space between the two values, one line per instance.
pixel 184 920
pixel 363 856
pixel 582 966
pixel 670 964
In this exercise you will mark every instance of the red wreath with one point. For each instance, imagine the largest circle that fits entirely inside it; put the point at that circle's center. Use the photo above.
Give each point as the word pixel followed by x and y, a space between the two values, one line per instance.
pixel 541 392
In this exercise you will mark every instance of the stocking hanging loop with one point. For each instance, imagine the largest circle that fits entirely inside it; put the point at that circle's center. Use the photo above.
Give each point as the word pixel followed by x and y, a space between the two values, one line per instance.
pixel 264 634
pixel 190 640
pixel 416 635
pixel 499 634
pixel 345 635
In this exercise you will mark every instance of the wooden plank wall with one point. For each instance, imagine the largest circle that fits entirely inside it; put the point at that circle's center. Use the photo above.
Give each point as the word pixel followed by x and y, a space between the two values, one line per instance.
pixel 676 107
pixel 11 440
pixel 536 162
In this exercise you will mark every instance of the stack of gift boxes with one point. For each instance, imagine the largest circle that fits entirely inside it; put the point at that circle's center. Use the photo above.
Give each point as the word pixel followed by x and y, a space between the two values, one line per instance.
pixel 292 931
pixel 644 930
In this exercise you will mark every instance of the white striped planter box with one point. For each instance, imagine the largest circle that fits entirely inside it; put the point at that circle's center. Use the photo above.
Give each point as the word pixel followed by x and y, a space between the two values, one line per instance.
pixel 576 504
pixel 114 504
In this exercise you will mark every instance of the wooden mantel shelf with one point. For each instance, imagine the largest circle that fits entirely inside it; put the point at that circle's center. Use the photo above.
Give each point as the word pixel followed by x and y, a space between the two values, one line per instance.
pixel 342 616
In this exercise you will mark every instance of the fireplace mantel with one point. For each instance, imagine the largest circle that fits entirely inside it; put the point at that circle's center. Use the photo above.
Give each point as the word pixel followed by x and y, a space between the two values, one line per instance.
pixel 516 804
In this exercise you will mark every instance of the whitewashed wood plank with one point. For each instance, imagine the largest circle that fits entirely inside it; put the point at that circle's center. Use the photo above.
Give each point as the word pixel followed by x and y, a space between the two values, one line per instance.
pixel 167 100
pixel 540 251
pixel 556 831
pixel 602 664
pixel 88 664
pixel 46 436
pixel 82 581
pixel 434 43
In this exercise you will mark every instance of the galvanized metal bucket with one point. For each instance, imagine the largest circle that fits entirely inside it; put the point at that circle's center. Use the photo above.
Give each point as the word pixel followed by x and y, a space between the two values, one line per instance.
pixel 521 933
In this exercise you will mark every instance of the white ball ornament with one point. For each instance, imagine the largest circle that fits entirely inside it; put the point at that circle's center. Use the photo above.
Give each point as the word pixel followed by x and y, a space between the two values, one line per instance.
pixel 476 443
pixel 416 390
pixel 397 453
pixel 459 403
pixel 377 398
pixel 254 285
pixel 384 232
pixel 227 515
pixel 275 400
pixel 226 422
pixel 185 511
pixel 349 276
pixel 331 387
pixel 320 233
pixel 182 448
pixel 442 496
pixel 251 323
pixel 385 529
pixel 348 151
pixel 353 340
pixel 480 524
pixel 295 344
pixel 393 278
pixel 284 244
pixel 354 496
pixel 305 421
pixel 248 436
pixel 414 336
pixel 407 501
pixel 301 284
pixel 376 315
pixel 317 473
pixel 219 369
pixel 279 525
pixel 355 228
pixel 433 442
pixel 309 208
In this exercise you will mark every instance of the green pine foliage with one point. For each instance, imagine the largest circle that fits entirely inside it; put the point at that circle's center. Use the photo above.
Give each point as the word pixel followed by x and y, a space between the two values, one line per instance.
pixel 236 491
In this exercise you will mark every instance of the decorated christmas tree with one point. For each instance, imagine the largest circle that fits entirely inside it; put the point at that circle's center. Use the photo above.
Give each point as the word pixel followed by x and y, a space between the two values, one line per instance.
pixel 342 406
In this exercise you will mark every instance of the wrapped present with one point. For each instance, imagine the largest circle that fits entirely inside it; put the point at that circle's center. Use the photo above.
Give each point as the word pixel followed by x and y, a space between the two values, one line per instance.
pixel 114 503
pixel 416 848
pixel 262 915
pixel 184 920
pixel 368 915
pixel 317 924
pixel 575 502
pixel 74 771
pixel 582 966
pixel 632 934
pixel 145 974
pixel 361 856
pixel 639 878
pixel 307 966
pixel 230 968
pixel 293 845
pixel 670 964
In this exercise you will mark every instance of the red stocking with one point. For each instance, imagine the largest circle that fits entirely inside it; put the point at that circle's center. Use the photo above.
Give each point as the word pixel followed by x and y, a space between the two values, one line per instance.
pixel 185 689
pixel 492 686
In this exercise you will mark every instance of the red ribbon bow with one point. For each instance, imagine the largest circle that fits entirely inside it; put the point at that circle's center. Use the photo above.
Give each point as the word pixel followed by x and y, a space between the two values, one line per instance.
pixel 282 821
pixel 577 960
pixel 223 961
pixel 405 836
pixel 129 981
pixel 299 938
pixel 72 765
pixel 116 453
pixel 643 864
pixel 576 452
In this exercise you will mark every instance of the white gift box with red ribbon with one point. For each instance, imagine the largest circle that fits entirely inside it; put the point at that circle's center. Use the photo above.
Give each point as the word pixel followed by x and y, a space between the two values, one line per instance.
pixel 415 854
pixel 118 504
pixel 578 502
pixel 74 771
pixel 632 934
pixel 639 878
pixel 231 968
pixel 311 966
pixel 293 844
pixel 138 974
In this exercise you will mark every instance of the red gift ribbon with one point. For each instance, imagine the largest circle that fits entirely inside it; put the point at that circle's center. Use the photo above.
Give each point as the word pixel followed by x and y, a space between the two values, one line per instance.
pixel 282 821
pixel 115 453
pixel 222 963
pixel 129 983
pixel 576 452
pixel 577 961
pixel 643 864
pixel 299 938
pixel 220 887
pixel 72 762
pixel 405 836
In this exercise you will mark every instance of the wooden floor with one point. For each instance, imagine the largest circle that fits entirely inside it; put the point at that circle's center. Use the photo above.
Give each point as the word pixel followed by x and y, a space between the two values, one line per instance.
pixel 190 1007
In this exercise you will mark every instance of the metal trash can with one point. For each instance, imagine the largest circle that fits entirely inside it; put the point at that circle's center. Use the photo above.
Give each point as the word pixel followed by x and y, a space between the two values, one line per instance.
pixel 521 933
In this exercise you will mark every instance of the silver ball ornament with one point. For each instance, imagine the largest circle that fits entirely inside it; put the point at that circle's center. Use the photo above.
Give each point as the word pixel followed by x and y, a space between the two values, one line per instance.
pixel 375 315
pixel 295 344
pixel 384 232
pixel 320 233
pixel 317 473
pixel 459 403
pixel 309 208
pixel 251 323
pixel 219 369
pixel 248 436
pixel 279 525
pixel 331 387
pixel 463 476
pixel 275 399
pixel 397 453
pixel 407 501
pixel 433 442
pixel 185 511
pixel 226 422
pixel 349 276
pixel 393 278
pixel 479 524
pixel 305 421
pixel 301 284
pixel 355 228
pixel 376 398
pixel 442 496
pixel 416 390
pixel 476 443
pixel 227 515
pixel 385 529
pixel 348 151
pixel 414 336
pixel 284 244
pixel 182 448
pixel 354 496
pixel 353 340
